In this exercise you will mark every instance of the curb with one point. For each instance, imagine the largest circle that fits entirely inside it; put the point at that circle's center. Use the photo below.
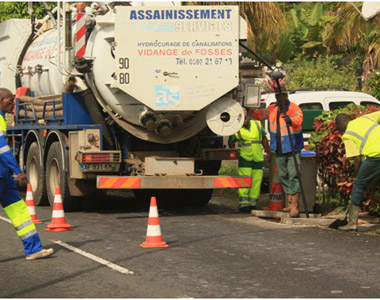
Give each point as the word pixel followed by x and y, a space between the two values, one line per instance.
pixel 314 219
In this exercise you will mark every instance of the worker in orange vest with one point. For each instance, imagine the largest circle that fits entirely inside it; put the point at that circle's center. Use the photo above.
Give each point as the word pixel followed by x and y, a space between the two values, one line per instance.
pixel 279 118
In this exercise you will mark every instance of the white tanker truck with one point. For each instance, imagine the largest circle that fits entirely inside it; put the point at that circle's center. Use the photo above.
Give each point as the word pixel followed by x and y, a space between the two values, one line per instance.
pixel 127 96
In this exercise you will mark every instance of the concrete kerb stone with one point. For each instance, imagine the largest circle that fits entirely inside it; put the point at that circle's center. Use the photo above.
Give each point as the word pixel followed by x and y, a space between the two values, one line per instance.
pixel 368 227
pixel 307 221
pixel 314 219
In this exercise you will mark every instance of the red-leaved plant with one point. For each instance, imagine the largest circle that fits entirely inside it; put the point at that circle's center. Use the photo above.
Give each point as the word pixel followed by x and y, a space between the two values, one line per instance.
pixel 334 168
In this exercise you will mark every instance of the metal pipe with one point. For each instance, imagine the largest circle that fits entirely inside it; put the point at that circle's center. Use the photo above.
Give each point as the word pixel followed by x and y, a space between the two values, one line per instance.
pixel 68 29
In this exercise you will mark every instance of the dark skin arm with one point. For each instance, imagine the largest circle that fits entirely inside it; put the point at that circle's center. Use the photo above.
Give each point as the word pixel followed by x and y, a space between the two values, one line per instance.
pixel 265 144
pixel 357 164
pixel 22 179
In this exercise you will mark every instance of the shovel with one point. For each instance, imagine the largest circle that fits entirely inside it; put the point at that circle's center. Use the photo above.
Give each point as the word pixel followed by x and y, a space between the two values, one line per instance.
pixel 338 222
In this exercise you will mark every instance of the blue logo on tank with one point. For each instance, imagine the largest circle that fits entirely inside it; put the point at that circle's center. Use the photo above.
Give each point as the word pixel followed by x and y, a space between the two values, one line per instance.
pixel 166 96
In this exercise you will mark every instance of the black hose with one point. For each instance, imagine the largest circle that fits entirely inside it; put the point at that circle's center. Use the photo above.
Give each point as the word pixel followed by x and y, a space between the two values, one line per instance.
pixel 25 48
pixel 257 56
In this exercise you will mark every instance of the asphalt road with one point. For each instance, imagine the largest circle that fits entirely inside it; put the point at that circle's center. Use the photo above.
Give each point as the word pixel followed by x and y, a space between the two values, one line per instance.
pixel 214 252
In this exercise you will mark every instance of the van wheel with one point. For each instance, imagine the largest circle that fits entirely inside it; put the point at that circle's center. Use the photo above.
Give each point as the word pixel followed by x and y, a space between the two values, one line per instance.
pixel 35 173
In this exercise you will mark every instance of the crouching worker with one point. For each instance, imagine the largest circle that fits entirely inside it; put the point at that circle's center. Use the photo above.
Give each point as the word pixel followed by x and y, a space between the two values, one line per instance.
pixel 250 138
pixel 13 205
pixel 361 137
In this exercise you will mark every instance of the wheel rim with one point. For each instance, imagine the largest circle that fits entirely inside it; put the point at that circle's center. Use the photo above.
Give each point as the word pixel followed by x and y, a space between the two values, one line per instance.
pixel 33 174
pixel 54 178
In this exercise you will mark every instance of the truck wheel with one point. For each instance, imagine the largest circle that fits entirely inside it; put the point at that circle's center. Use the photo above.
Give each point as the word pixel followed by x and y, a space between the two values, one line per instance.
pixel 57 177
pixel 176 197
pixel 197 197
pixel 36 175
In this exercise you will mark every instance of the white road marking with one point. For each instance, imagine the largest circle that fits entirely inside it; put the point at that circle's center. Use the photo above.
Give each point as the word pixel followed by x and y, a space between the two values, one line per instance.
pixel 86 254
pixel 5 219
pixel 94 258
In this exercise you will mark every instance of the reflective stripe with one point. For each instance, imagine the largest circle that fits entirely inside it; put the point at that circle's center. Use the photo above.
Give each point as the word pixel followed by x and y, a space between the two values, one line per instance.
pixel 368 132
pixel 19 215
pixel 250 141
pixel 23 225
pixel 264 113
pixel 28 234
pixel 285 133
pixel 258 130
pixel 3 132
pixel 244 144
pixel 4 149
pixel 368 118
pixel 354 134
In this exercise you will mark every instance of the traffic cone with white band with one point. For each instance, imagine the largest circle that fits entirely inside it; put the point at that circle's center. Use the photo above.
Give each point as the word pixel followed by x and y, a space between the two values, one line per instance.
pixel 30 204
pixel 276 201
pixel 153 233
pixel 58 221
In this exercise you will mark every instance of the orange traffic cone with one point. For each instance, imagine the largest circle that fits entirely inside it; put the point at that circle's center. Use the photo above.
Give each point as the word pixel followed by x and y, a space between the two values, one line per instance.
pixel 276 201
pixel 58 221
pixel 30 204
pixel 153 233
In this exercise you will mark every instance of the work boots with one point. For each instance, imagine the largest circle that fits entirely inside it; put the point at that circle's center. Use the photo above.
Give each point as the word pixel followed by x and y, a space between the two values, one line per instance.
pixel 294 206
pixel 40 254
pixel 353 216
pixel 287 209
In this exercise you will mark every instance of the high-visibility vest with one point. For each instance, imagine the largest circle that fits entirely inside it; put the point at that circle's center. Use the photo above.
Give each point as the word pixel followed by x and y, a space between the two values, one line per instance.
pixel 250 141
pixel 3 124
pixel 365 132
pixel 7 160
pixel 295 113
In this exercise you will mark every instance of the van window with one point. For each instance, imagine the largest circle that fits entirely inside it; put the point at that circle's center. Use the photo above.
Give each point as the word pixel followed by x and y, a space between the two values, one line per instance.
pixel 336 105
pixel 310 106
pixel 368 103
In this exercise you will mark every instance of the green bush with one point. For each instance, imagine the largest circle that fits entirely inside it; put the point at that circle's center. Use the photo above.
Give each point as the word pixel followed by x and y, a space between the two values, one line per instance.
pixel 372 85
pixel 324 73
pixel 228 170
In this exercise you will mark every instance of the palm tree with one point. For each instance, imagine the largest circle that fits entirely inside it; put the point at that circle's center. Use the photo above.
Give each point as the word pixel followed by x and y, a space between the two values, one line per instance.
pixel 350 33
pixel 264 22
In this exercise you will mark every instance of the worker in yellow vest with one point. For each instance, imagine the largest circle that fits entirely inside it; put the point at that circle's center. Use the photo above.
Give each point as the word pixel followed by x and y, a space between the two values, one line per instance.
pixel 361 138
pixel 13 205
pixel 250 138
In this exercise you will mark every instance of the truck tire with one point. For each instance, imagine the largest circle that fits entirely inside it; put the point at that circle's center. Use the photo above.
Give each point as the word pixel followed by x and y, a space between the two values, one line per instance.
pixel 57 177
pixel 35 173
pixel 197 198
pixel 175 197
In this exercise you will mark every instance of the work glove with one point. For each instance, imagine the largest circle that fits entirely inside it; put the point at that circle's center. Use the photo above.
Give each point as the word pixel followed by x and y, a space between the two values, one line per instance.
pixel 288 120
